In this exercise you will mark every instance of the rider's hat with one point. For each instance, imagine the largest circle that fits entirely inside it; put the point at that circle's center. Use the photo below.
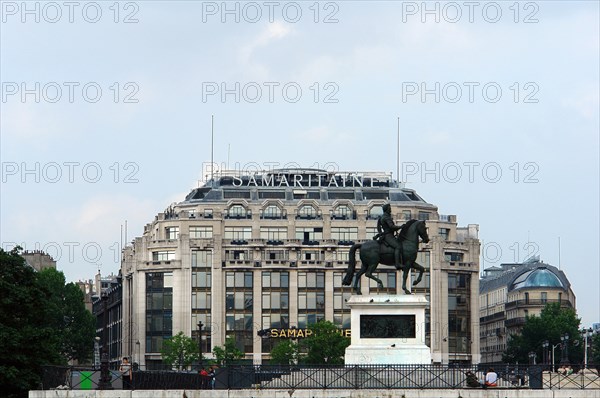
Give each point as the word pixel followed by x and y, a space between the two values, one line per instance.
pixel 386 207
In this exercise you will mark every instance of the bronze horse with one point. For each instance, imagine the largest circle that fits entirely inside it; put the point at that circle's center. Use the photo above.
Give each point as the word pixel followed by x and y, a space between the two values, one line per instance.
pixel 373 253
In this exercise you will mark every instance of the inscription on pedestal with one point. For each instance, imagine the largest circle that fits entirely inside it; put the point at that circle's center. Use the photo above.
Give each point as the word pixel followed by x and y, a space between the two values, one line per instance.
pixel 387 326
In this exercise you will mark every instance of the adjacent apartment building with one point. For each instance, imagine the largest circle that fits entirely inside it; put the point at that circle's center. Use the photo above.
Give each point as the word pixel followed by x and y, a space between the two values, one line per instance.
pixel 266 252
pixel 510 293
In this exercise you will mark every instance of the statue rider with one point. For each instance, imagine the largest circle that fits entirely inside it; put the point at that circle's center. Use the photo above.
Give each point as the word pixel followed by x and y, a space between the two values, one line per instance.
pixel 386 227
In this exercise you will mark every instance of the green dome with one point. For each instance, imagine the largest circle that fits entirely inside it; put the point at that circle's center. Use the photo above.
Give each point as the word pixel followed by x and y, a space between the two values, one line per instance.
pixel 539 277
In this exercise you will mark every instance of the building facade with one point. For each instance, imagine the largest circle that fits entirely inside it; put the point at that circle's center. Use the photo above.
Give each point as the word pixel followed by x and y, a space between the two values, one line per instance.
pixel 260 256
pixel 510 293
pixel 38 259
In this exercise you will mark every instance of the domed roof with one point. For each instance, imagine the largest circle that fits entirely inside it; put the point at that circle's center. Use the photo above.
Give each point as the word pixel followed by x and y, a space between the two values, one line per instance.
pixel 538 277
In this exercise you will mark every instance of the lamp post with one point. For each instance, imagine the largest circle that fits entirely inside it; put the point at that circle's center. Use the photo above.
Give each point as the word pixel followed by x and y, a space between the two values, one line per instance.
pixel 200 343
pixel 532 356
pixel 565 349
pixel 96 352
pixel 553 347
pixel 587 333
pixel 104 383
pixel 139 352
pixel 545 346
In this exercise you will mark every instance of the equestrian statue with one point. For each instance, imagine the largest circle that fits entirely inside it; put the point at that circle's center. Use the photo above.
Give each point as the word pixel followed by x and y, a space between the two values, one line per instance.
pixel 387 248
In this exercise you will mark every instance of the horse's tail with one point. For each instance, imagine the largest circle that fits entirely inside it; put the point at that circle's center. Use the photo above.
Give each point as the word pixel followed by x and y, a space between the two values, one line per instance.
pixel 351 265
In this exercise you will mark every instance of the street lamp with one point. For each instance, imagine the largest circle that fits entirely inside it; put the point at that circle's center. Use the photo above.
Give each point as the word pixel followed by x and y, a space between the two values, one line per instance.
pixel 565 348
pixel 105 377
pixel 532 356
pixel 587 333
pixel 545 346
pixel 96 352
pixel 200 342
pixel 139 358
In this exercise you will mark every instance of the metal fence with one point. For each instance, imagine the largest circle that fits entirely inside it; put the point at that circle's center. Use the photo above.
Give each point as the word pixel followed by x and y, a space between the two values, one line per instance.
pixel 331 377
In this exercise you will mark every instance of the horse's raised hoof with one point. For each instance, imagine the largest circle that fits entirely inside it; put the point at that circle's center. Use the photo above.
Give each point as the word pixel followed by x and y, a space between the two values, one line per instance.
pixel 380 285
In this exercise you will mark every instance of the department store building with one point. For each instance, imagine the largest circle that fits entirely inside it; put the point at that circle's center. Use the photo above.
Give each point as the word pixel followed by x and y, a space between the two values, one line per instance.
pixel 261 255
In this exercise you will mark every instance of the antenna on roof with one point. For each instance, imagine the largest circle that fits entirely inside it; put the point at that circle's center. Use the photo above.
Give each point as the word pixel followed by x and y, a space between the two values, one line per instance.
pixel 212 149
pixel 559 252
pixel 398 154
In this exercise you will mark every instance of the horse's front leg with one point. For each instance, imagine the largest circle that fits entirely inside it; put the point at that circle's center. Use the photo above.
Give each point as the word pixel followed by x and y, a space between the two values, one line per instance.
pixel 404 278
pixel 421 269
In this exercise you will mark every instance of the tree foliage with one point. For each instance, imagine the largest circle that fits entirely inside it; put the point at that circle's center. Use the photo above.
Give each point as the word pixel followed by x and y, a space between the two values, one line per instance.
pixel 67 314
pixel 286 352
pixel 552 323
pixel 229 353
pixel 180 351
pixel 34 330
pixel 325 345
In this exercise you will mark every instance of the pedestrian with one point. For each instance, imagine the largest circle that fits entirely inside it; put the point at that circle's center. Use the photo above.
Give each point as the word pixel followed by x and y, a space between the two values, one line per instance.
pixel 491 378
pixel 204 379
pixel 211 374
pixel 125 370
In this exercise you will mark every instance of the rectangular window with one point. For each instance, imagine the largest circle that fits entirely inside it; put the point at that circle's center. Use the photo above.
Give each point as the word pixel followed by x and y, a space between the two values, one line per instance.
pixel 406 215
pixel 453 257
pixel 344 233
pixel 444 233
pixel 307 234
pixel 198 232
pixel 238 233
pixel 341 255
pixel 165 255
pixel 424 216
pixel 273 233
pixel 544 297
pixel 172 233
pixel 279 255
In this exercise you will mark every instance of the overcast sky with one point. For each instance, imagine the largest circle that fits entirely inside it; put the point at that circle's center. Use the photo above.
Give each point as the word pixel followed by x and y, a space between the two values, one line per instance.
pixel 106 114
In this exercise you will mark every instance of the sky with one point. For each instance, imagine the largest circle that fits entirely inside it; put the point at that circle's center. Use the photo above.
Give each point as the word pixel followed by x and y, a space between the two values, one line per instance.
pixel 105 115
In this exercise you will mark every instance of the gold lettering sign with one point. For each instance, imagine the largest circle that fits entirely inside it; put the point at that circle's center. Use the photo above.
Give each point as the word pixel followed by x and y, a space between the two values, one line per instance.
pixel 294 333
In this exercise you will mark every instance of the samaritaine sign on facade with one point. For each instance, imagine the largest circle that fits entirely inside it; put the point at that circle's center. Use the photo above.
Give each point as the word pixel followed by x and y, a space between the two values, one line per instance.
pixel 304 179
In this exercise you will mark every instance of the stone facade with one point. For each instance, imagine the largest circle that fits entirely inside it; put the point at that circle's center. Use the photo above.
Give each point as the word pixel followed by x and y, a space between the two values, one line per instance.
pixel 263 254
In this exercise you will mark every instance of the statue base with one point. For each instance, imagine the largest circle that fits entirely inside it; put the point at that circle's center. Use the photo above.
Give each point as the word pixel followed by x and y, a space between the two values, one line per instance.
pixel 387 329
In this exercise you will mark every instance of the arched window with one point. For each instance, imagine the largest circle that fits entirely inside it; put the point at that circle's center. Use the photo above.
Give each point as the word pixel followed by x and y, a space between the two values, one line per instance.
pixel 342 212
pixel 272 211
pixel 237 211
pixel 375 212
pixel 307 212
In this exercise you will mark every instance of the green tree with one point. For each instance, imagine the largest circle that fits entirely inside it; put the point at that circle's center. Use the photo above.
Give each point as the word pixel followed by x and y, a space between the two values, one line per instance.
pixel 286 352
pixel 594 360
pixel 74 324
pixel 180 351
pixel 229 353
pixel 26 339
pixel 325 345
pixel 553 322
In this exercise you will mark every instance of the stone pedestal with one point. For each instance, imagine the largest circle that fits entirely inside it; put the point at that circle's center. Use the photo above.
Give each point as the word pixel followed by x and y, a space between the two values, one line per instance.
pixel 387 329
